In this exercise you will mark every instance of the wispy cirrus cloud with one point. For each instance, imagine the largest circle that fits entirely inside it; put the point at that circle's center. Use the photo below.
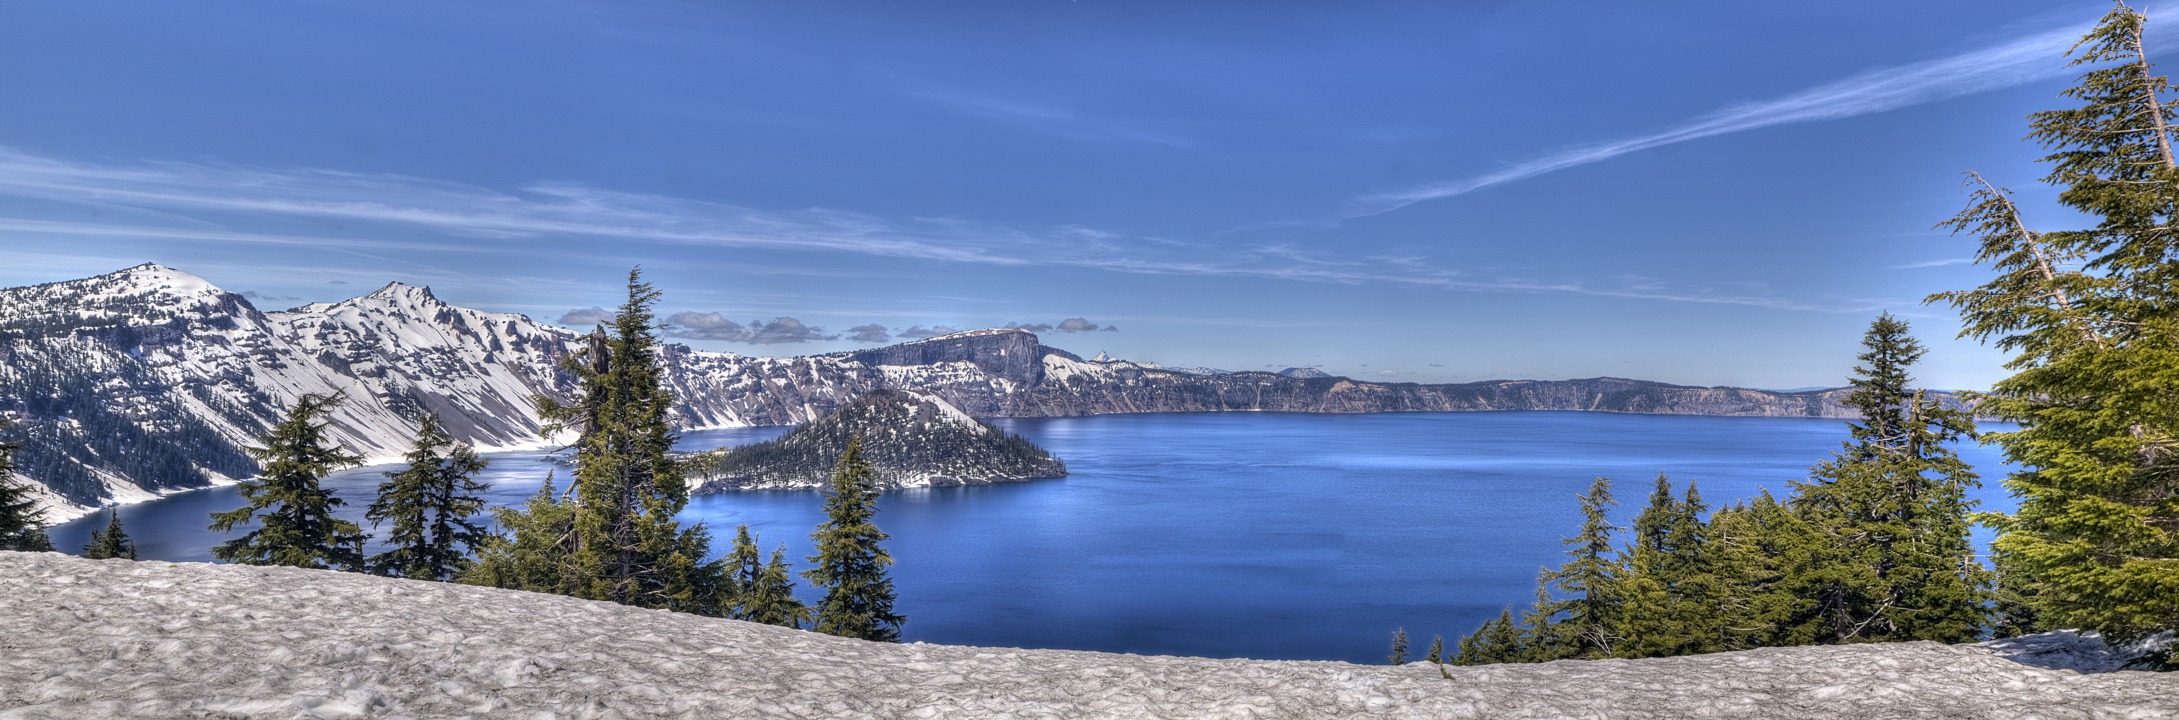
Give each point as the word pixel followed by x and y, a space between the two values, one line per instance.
pixel 1050 119
pixel 537 210
pixel 202 198
pixel 2033 57
pixel 1934 263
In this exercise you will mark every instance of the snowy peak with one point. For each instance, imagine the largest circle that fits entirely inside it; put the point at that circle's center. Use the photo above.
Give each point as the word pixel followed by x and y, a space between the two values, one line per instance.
pixel 154 277
pixel 148 294
pixel 404 293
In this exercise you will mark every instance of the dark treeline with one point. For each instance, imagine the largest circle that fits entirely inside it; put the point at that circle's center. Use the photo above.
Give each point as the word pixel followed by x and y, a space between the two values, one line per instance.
pixel 1874 545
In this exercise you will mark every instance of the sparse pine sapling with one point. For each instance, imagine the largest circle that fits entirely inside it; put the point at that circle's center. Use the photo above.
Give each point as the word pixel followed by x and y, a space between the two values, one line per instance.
pixel 111 542
pixel 1399 647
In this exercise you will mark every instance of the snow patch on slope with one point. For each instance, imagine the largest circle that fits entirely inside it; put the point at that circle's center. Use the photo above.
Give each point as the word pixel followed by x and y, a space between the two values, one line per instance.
pixel 114 638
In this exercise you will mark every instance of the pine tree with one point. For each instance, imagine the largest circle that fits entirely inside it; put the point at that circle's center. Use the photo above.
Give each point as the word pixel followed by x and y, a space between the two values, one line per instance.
pixel 532 547
pixel 1500 640
pixel 1574 613
pixel 1399 647
pixel 628 547
pixel 1668 588
pixel 430 503
pixel 1437 650
pixel 1892 513
pixel 296 526
pixel 111 542
pixel 1754 547
pixel 850 563
pixel 2093 320
pixel 762 592
pixel 22 526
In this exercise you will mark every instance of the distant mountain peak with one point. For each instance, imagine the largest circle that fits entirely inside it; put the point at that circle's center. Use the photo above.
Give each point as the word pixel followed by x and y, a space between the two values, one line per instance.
pixel 398 289
pixel 1304 373
pixel 153 276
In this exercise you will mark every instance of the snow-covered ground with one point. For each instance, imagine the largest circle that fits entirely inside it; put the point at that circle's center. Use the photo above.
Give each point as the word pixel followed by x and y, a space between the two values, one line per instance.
pixel 105 639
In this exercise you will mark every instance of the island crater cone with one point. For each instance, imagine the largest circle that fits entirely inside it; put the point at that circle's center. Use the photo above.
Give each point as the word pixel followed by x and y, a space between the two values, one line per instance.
pixel 912 439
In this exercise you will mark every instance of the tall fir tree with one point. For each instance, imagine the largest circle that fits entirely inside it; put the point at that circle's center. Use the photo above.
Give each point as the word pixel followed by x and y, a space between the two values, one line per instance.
pixel 850 561
pixel 762 592
pixel 629 548
pixel 110 542
pixel 22 525
pixel 1753 548
pixel 1499 640
pixel 295 521
pixel 1896 562
pixel 1668 589
pixel 430 504
pixel 1575 611
pixel 2092 316
pixel 531 549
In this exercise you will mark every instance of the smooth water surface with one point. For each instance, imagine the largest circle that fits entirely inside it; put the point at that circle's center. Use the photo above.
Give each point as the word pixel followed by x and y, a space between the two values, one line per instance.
pixel 1264 535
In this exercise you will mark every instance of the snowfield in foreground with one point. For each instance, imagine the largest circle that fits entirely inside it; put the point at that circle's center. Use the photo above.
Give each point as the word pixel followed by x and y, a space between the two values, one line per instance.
pixel 103 639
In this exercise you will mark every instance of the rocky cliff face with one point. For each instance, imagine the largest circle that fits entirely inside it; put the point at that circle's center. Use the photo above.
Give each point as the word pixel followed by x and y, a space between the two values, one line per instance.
pixel 150 380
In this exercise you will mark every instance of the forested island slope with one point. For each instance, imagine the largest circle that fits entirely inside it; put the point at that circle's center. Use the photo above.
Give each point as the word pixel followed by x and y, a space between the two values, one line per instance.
pixel 911 440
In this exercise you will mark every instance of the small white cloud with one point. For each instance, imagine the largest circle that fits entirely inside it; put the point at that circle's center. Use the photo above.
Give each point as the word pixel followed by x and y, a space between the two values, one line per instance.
pixel 587 316
pixel 1934 263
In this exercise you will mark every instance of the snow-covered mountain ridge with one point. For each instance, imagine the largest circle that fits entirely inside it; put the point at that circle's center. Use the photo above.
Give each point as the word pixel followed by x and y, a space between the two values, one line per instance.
pixel 151 380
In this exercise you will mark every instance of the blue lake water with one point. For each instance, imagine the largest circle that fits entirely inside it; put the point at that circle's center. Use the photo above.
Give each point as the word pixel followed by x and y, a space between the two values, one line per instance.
pixel 1264 535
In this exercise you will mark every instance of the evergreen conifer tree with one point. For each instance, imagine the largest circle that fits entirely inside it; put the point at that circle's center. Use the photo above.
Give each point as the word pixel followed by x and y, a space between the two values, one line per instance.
pixel 296 525
pixel 532 548
pixel 1891 511
pixel 1399 647
pixel 628 547
pixel 1754 547
pixel 1500 640
pixel 1575 611
pixel 430 504
pixel 111 542
pixel 2093 319
pixel 850 563
pixel 762 592
pixel 1669 590
pixel 1437 650
pixel 22 526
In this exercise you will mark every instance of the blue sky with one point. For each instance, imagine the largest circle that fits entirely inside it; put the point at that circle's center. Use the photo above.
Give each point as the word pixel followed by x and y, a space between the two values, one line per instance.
pixel 1694 192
